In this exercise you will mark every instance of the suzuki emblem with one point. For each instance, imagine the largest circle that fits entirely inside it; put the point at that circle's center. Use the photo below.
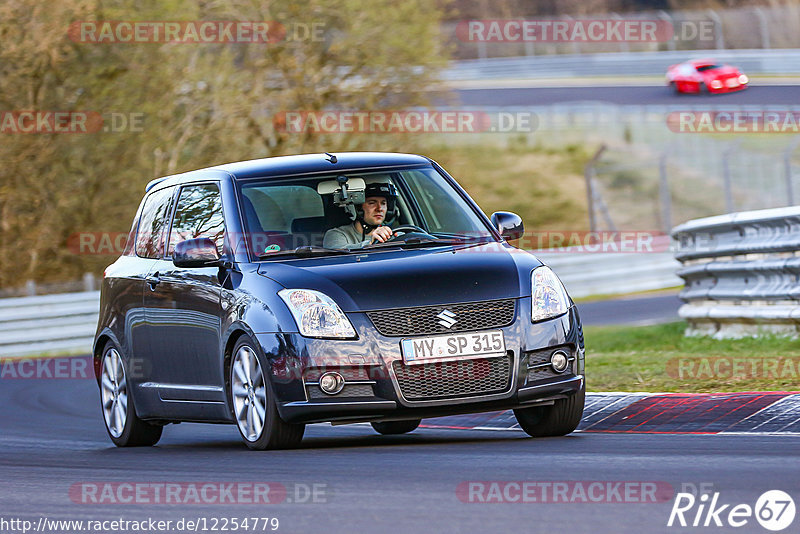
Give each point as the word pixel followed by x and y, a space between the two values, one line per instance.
pixel 447 318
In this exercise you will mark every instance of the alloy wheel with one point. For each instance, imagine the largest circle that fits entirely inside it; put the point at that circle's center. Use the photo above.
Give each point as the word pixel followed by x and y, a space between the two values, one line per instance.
pixel 249 393
pixel 114 393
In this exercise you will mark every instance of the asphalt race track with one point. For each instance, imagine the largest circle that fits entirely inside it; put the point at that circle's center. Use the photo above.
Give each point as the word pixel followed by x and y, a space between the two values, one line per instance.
pixel 55 458
pixel 620 473
pixel 775 95
pixel 639 311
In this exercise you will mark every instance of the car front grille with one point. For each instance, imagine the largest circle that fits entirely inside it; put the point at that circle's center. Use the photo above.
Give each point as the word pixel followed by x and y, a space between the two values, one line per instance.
pixel 423 320
pixel 453 379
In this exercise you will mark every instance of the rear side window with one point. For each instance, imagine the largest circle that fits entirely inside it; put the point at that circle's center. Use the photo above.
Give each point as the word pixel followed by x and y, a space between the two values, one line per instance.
pixel 198 214
pixel 150 235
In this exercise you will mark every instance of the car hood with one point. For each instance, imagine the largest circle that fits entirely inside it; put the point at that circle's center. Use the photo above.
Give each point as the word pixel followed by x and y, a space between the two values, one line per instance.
pixel 402 278
pixel 723 72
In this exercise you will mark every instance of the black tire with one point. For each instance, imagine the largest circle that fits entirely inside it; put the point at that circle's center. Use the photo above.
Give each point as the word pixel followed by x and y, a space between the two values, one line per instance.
pixel 558 419
pixel 135 432
pixel 274 432
pixel 396 427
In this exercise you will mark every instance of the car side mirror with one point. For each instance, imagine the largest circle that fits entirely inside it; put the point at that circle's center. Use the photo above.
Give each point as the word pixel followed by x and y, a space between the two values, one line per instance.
pixel 508 224
pixel 199 252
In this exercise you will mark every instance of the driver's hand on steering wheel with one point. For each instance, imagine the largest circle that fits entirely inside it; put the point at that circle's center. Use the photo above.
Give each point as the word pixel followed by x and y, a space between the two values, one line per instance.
pixel 381 234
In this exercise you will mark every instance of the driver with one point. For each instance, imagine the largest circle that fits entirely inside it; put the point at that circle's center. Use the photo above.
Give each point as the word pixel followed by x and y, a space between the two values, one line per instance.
pixel 368 226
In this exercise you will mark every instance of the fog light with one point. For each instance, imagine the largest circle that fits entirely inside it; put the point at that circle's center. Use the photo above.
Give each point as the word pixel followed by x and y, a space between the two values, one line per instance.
pixel 331 383
pixel 559 361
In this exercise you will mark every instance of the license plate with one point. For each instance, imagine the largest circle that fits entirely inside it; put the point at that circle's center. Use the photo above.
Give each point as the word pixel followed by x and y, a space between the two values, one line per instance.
pixel 453 346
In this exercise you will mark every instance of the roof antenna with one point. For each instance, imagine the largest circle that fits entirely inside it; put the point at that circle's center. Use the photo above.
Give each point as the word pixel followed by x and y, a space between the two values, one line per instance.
pixel 331 157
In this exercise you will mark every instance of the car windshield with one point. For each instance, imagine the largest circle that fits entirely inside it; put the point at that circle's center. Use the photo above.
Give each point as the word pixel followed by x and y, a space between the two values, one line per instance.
pixel 703 68
pixel 322 215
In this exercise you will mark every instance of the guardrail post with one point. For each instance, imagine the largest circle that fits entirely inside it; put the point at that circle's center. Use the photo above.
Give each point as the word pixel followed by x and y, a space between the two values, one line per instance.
pixel 482 50
pixel 718 37
pixel 588 171
pixel 529 48
pixel 88 282
pixel 787 165
pixel 762 26
pixel 664 193
pixel 30 288
pixel 623 44
pixel 663 15
pixel 726 179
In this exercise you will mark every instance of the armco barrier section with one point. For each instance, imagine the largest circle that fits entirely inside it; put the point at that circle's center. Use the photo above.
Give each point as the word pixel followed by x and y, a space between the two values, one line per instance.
pixel 613 273
pixel 66 323
pixel 741 273
pixel 49 323
pixel 758 61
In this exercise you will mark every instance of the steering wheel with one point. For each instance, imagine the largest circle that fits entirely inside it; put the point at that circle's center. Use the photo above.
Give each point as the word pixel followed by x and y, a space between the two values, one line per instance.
pixel 406 229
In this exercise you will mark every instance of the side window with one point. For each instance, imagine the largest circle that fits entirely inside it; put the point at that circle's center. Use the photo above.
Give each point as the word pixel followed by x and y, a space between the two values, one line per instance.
pixel 441 206
pixel 273 208
pixel 198 214
pixel 150 234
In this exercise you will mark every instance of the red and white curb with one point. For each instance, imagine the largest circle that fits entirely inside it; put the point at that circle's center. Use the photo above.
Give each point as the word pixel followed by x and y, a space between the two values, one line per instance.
pixel 766 412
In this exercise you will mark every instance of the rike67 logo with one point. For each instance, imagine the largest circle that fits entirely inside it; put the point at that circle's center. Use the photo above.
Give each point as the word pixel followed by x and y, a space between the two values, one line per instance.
pixel 774 510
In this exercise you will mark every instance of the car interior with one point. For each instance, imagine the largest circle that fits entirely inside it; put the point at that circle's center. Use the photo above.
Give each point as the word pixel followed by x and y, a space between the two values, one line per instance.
pixel 287 215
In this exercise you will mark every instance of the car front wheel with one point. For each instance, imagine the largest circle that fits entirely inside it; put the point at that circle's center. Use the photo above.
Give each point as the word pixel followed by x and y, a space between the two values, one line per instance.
pixel 123 425
pixel 254 405
pixel 558 419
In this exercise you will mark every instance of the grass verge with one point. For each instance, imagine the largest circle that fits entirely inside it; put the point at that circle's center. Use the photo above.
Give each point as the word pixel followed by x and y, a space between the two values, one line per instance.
pixel 660 359
pixel 544 186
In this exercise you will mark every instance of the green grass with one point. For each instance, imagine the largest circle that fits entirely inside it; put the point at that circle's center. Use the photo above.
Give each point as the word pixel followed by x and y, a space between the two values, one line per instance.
pixel 544 186
pixel 660 359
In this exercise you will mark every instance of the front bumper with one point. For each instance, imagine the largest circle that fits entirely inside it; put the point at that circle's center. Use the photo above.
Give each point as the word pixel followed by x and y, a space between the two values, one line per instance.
pixel 373 391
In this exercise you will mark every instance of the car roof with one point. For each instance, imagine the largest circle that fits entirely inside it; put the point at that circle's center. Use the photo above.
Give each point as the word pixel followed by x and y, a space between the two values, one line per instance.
pixel 300 164
pixel 701 62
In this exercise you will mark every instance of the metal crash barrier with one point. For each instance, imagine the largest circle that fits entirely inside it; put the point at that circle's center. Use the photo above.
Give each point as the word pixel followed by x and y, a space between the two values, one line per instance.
pixel 741 273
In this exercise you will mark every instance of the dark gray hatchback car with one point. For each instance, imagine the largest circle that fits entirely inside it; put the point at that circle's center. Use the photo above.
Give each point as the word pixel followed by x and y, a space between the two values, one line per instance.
pixel 229 305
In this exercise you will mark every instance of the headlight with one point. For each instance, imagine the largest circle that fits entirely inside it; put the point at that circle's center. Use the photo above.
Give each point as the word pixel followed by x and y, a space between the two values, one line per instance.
pixel 316 314
pixel 548 297
pixel 743 79
pixel 716 84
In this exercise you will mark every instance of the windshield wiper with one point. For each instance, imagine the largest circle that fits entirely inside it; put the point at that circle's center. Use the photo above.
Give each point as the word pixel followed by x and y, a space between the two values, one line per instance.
pixel 304 252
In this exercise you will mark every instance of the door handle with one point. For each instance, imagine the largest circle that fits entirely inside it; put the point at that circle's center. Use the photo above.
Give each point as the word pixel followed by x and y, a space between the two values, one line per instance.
pixel 153 280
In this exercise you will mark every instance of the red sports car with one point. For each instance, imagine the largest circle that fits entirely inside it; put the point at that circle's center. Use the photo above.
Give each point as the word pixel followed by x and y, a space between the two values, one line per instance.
pixel 705 76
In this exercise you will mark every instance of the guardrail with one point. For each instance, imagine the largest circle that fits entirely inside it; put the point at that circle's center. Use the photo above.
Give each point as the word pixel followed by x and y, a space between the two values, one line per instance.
pixel 613 273
pixel 49 323
pixel 756 61
pixel 66 323
pixel 741 273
